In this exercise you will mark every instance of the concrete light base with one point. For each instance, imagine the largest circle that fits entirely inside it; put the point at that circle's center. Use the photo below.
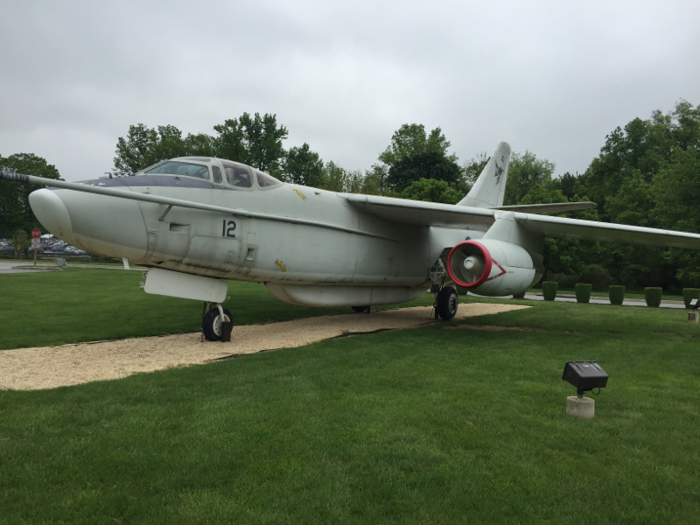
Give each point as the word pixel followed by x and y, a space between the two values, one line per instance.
pixel 581 407
pixel 692 317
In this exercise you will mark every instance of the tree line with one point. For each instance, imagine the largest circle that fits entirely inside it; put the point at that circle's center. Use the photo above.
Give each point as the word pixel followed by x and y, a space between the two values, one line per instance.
pixel 647 174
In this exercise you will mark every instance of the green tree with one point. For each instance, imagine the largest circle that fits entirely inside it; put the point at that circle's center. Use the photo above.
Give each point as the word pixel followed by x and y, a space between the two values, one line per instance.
pixel 169 144
pixel 144 146
pixel 334 177
pixel 474 166
pixel 427 165
pixel 135 152
pixel 230 143
pixel 525 172
pixel 411 139
pixel 263 139
pixel 375 180
pixel 646 175
pixel 432 190
pixel 15 212
pixel 303 166
pixel 255 140
pixel 354 181
pixel 199 145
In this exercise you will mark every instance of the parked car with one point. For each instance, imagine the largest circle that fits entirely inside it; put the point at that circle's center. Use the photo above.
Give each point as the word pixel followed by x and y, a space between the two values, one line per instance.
pixel 38 249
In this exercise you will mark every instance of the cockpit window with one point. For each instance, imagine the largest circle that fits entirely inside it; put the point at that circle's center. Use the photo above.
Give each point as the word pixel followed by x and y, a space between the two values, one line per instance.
pixel 216 172
pixel 173 167
pixel 237 175
pixel 265 180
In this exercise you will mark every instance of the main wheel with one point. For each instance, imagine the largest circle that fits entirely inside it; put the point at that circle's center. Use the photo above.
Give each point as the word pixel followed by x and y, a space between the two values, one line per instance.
pixel 447 303
pixel 211 324
pixel 360 309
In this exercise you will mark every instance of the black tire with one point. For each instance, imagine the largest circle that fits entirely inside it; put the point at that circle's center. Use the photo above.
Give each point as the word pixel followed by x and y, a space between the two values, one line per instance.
pixel 447 303
pixel 360 309
pixel 211 324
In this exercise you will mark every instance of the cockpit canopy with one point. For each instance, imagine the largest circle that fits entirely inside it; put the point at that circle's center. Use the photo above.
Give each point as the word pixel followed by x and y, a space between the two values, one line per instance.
pixel 218 171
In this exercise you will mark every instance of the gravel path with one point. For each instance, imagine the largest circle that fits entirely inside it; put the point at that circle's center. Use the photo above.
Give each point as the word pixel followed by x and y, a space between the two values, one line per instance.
pixel 51 367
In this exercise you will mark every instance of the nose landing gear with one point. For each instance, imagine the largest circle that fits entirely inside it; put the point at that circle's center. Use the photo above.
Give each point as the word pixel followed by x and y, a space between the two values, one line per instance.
pixel 216 323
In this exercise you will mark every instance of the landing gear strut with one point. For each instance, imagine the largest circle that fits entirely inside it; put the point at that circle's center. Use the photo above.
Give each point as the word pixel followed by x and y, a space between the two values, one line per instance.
pixel 213 323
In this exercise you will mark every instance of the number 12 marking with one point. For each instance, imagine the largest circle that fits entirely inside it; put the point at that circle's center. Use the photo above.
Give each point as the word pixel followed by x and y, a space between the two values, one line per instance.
pixel 228 229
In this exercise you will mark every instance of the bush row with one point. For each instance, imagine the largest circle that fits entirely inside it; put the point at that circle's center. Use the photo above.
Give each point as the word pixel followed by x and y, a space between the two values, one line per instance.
pixel 616 293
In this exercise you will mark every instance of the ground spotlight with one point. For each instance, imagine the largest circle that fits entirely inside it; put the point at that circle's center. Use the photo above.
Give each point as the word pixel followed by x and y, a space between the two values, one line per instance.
pixel 585 376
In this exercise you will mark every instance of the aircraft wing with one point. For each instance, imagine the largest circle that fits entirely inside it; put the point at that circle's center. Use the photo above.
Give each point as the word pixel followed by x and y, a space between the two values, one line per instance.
pixel 605 231
pixel 422 213
pixel 557 207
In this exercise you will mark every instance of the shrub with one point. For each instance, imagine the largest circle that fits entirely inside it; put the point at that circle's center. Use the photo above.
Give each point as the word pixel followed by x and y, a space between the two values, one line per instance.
pixel 652 294
pixel 583 292
pixel 549 290
pixel 617 294
pixel 520 295
pixel 689 294
pixel 597 276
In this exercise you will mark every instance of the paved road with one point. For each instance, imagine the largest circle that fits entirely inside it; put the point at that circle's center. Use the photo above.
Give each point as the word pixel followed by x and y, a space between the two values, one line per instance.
pixel 8 267
pixel 28 267
pixel 603 300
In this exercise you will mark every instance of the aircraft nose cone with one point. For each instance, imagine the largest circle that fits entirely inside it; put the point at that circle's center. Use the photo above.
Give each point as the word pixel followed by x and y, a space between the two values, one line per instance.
pixel 99 224
pixel 51 212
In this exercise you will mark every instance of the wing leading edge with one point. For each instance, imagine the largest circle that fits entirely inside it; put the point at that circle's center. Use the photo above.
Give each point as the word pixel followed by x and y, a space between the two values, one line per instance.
pixel 425 214
pixel 605 231
pixel 422 213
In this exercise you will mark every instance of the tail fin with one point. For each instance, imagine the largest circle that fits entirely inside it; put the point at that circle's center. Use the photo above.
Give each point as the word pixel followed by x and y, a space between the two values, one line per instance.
pixel 489 188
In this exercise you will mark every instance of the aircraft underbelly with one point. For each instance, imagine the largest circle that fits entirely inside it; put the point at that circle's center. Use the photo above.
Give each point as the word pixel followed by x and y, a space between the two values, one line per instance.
pixel 340 295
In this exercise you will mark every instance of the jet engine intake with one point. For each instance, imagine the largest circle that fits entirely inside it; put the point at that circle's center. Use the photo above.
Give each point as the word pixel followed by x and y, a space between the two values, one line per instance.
pixel 490 267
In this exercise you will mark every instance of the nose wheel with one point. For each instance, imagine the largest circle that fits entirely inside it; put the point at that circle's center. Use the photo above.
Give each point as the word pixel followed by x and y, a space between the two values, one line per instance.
pixel 215 323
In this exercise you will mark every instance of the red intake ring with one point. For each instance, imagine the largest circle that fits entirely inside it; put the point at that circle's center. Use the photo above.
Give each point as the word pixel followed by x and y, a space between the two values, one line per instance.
pixel 488 263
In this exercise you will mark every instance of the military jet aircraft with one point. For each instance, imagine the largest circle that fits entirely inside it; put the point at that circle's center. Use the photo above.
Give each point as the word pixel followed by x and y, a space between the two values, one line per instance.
pixel 197 221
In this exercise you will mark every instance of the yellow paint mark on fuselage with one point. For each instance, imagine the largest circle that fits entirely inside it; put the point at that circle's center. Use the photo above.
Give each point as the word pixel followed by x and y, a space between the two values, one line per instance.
pixel 299 193
pixel 281 265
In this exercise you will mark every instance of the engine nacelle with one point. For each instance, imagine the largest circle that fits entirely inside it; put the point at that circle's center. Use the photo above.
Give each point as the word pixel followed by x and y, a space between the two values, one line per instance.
pixel 490 267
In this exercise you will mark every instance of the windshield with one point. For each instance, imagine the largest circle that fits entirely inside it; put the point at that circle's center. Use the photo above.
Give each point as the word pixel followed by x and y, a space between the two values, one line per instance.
pixel 173 167
pixel 265 180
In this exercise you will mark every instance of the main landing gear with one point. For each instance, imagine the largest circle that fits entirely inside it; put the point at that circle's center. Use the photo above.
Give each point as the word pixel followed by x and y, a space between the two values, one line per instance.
pixel 446 303
pixel 216 323
pixel 361 309
pixel 446 298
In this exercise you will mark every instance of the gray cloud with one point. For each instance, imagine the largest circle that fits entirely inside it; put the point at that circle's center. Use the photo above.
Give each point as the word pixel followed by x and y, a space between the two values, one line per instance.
pixel 551 77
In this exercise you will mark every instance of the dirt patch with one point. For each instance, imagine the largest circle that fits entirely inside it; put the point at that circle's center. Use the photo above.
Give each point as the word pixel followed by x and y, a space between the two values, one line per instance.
pixel 492 328
pixel 51 367
pixel 495 328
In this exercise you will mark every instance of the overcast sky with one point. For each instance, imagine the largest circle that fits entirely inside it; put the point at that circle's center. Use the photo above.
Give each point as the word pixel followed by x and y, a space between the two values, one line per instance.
pixel 552 77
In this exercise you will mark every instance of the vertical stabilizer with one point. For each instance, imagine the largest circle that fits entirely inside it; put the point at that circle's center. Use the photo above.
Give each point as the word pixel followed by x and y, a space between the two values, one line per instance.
pixel 489 188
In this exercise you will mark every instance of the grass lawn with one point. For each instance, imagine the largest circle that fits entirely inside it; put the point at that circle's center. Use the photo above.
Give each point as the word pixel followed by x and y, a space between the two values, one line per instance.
pixel 444 424
pixel 87 304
